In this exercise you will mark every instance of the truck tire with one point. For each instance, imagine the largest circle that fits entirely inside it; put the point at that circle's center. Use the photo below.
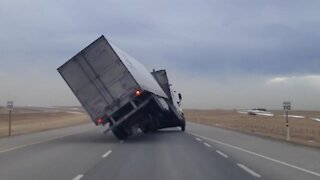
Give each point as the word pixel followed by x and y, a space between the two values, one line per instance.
pixel 183 128
pixel 145 130
pixel 120 133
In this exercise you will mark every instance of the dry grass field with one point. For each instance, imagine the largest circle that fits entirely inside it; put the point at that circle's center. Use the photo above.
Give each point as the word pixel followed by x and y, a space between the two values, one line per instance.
pixel 31 119
pixel 304 131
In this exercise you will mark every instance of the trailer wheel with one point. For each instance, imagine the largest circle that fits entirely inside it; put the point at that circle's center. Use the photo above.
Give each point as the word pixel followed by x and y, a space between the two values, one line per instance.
pixel 120 133
pixel 145 130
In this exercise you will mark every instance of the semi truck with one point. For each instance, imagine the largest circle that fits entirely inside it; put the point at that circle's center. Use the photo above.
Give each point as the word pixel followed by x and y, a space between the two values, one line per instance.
pixel 117 90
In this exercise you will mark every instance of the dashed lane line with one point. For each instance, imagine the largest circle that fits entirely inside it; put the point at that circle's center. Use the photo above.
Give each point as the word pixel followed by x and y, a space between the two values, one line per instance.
pixel 258 155
pixel 250 171
pixel 222 154
pixel 107 154
pixel 78 177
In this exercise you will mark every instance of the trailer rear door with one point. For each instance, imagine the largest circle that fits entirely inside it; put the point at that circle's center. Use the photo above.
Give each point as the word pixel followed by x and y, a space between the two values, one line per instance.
pixel 98 79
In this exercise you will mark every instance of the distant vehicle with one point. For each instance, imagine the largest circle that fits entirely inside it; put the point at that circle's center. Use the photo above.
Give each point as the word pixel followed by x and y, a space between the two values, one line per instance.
pixel 258 111
pixel 116 89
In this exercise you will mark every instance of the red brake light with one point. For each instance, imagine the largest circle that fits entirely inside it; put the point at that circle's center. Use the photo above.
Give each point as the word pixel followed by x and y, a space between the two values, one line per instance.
pixel 137 93
pixel 100 121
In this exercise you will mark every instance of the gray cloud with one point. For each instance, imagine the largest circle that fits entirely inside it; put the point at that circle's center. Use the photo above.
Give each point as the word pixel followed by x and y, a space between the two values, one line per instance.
pixel 224 48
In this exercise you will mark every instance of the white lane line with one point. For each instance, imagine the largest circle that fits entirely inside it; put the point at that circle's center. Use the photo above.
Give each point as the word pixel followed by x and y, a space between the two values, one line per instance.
pixel 206 144
pixel 250 171
pixel 198 139
pixel 107 154
pixel 259 155
pixel 78 177
pixel 222 154
pixel 39 142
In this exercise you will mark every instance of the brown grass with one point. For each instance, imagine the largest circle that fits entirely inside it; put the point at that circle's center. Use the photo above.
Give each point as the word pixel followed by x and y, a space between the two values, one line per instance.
pixel 305 131
pixel 27 122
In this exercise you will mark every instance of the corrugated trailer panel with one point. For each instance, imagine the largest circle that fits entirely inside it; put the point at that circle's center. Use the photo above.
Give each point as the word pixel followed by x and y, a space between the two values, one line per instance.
pixel 98 79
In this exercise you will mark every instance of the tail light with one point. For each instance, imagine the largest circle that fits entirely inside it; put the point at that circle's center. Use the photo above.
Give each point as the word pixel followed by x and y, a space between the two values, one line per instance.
pixel 137 93
pixel 100 121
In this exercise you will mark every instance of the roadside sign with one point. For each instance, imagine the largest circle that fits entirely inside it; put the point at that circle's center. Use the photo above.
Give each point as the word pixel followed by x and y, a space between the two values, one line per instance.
pixel 10 108
pixel 287 105
pixel 10 105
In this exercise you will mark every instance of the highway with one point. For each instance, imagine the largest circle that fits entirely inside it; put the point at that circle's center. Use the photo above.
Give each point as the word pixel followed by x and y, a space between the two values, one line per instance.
pixel 202 152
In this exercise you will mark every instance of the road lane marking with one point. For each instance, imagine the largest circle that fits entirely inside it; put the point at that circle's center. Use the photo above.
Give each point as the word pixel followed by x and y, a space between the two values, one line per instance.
pixel 107 154
pixel 206 144
pixel 250 171
pixel 198 139
pixel 222 154
pixel 78 177
pixel 258 155
pixel 39 142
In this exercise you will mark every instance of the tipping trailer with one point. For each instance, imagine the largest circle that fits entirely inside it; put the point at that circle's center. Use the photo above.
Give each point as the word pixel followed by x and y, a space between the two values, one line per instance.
pixel 174 102
pixel 116 89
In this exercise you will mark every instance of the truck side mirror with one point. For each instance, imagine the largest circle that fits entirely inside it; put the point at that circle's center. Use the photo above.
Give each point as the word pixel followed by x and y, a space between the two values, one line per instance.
pixel 180 96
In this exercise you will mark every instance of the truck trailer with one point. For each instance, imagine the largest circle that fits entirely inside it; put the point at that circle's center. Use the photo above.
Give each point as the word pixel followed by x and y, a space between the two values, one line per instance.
pixel 116 89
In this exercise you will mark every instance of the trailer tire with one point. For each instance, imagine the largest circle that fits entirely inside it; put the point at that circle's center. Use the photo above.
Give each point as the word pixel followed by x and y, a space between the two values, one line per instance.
pixel 120 133
pixel 145 130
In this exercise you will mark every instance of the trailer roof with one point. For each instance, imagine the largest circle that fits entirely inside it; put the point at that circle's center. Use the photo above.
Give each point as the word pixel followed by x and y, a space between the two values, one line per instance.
pixel 139 72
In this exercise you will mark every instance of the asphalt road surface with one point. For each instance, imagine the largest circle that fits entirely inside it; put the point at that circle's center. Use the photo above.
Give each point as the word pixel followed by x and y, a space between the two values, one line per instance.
pixel 202 152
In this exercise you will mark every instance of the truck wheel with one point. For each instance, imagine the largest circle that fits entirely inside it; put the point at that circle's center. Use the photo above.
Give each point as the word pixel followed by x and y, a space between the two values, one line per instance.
pixel 183 126
pixel 145 130
pixel 120 133
pixel 117 133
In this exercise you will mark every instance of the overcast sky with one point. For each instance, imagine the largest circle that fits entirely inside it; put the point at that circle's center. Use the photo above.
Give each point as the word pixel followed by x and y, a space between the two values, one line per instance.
pixel 219 53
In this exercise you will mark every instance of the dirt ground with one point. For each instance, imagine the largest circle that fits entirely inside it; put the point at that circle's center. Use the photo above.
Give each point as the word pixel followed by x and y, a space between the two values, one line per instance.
pixel 27 120
pixel 305 131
